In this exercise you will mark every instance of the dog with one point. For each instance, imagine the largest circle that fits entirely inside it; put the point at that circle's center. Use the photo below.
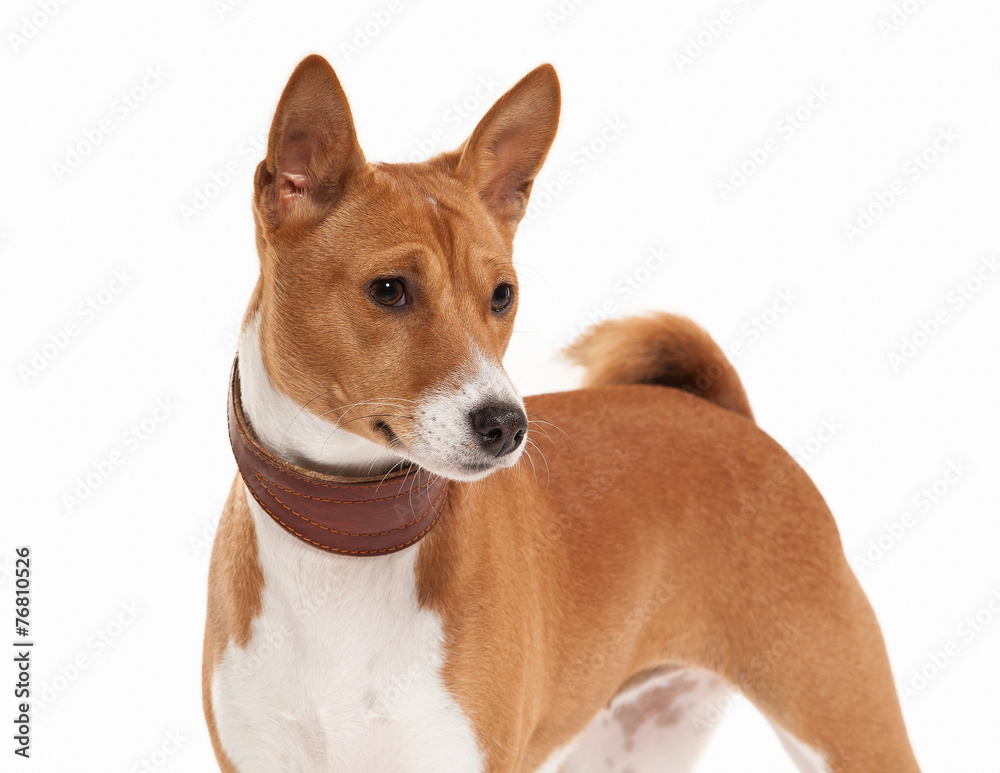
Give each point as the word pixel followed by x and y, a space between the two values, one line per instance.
pixel 418 570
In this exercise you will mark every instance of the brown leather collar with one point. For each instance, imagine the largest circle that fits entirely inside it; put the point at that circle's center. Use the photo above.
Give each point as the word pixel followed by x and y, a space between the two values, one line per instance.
pixel 354 516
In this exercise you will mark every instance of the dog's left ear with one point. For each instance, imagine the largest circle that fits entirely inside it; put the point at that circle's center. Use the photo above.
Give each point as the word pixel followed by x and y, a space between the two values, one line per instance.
pixel 507 148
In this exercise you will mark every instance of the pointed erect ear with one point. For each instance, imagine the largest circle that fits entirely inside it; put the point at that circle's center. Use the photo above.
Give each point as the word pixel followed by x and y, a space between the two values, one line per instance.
pixel 312 149
pixel 507 149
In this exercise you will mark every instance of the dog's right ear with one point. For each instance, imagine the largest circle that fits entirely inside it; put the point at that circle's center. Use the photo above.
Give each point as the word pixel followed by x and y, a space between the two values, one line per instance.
pixel 312 149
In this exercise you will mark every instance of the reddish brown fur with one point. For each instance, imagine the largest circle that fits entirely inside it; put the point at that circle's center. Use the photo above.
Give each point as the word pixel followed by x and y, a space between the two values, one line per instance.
pixel 235 583
pixel 637 512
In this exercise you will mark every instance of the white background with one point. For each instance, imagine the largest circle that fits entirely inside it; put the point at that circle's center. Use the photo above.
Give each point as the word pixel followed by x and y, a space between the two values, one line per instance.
pixel 167 335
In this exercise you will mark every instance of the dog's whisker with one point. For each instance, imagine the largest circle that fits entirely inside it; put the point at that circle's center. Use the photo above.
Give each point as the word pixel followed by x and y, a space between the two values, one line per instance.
pixel 539 430
pixel 545 461
pixel 519 266
pixel 534 471
pixel 391 470
pixel 340 423
pixel 539 420
pixel 541 453
pixel 468 491
pixel 371 464
pixel 281 443
pixel 347 408
pixel 518 469
pixel 338 426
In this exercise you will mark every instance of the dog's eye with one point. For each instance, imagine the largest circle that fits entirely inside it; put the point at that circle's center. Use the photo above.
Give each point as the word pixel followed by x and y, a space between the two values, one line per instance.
pixel 502 297
pixel 389 292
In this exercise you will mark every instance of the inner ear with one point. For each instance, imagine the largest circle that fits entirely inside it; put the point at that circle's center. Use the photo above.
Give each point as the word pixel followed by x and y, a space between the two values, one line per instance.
pixel 297 151
pixel 508 183
pixel 505 152
pixel 312 149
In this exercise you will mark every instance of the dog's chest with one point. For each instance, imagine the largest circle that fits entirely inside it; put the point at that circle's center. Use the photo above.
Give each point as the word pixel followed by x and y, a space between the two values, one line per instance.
pixel 343 671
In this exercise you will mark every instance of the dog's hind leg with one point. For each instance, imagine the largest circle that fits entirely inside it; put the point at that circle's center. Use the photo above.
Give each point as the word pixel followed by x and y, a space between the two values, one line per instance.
pixel 659 722
pixel 808 653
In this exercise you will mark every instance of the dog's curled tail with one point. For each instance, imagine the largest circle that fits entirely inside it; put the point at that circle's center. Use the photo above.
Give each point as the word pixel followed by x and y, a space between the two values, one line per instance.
pixel 663 349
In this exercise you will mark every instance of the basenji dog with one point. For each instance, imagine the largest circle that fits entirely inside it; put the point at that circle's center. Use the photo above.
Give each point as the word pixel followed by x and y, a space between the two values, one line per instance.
pixel 419 571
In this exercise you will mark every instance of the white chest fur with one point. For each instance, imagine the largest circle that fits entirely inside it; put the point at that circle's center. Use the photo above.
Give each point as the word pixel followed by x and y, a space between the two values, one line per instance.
pixel 343 671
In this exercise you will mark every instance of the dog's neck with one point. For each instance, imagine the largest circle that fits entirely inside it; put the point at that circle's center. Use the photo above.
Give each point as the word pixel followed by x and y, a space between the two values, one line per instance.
pixel 295 433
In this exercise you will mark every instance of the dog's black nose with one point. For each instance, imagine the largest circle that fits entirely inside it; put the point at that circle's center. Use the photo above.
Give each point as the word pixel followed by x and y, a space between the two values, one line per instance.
pixel 500 428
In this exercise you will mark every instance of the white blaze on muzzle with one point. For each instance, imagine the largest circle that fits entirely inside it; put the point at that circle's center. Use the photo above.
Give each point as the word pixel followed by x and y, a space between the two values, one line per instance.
pixel 467 430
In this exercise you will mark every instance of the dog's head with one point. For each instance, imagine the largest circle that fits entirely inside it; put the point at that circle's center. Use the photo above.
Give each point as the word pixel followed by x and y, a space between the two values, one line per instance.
pixel 387 291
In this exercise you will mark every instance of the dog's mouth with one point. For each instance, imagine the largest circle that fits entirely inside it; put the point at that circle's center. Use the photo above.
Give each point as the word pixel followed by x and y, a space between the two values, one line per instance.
pixel 476 468
pixel 468 469
pixel 464 470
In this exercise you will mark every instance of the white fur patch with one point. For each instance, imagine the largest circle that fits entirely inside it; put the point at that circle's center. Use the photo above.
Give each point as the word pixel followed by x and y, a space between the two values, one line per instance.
pixel 343 670
pixel 653 727
pixel 446 442
pixel 555 761
pixel 808 759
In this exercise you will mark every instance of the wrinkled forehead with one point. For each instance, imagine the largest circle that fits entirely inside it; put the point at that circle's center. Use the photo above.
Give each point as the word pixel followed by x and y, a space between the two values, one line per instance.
pixel 411 208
